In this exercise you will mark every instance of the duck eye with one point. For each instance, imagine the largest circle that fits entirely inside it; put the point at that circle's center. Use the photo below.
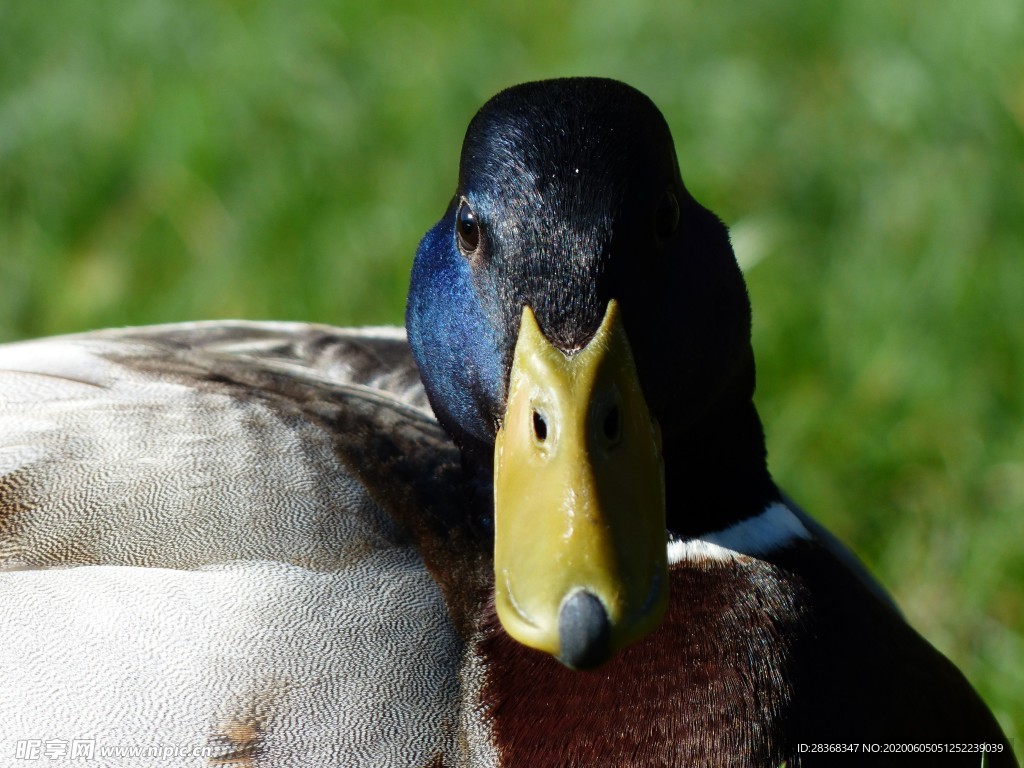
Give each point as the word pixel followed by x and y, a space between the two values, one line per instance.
pixel 667 216
pixel 467 229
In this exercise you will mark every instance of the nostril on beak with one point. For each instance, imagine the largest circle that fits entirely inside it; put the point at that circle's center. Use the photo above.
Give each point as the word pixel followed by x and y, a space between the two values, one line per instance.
pixel 540 427
pixel 612 424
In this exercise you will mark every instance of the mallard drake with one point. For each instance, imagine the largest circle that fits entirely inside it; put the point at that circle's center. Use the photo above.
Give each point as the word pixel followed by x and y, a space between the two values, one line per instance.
pixel 537 530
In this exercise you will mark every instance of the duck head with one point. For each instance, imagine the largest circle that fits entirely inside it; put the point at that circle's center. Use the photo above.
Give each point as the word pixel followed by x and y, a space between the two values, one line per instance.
pixel 574 314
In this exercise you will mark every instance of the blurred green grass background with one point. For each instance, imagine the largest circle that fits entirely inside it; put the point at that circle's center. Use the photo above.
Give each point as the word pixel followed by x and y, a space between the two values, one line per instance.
pixel 167 161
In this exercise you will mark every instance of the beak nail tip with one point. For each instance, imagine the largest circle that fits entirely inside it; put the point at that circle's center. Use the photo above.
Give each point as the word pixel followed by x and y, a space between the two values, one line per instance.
pixel 584 631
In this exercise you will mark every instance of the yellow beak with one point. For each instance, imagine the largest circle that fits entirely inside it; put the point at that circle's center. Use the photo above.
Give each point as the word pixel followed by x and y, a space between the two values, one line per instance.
pixel 579 499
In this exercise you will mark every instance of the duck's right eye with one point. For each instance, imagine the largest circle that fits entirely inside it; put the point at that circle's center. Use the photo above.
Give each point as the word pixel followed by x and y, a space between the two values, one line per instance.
pixel 467 229
pixel 667 216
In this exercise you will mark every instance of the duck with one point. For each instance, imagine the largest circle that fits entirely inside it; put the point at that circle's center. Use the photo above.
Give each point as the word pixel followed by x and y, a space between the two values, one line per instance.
pixel 534 527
